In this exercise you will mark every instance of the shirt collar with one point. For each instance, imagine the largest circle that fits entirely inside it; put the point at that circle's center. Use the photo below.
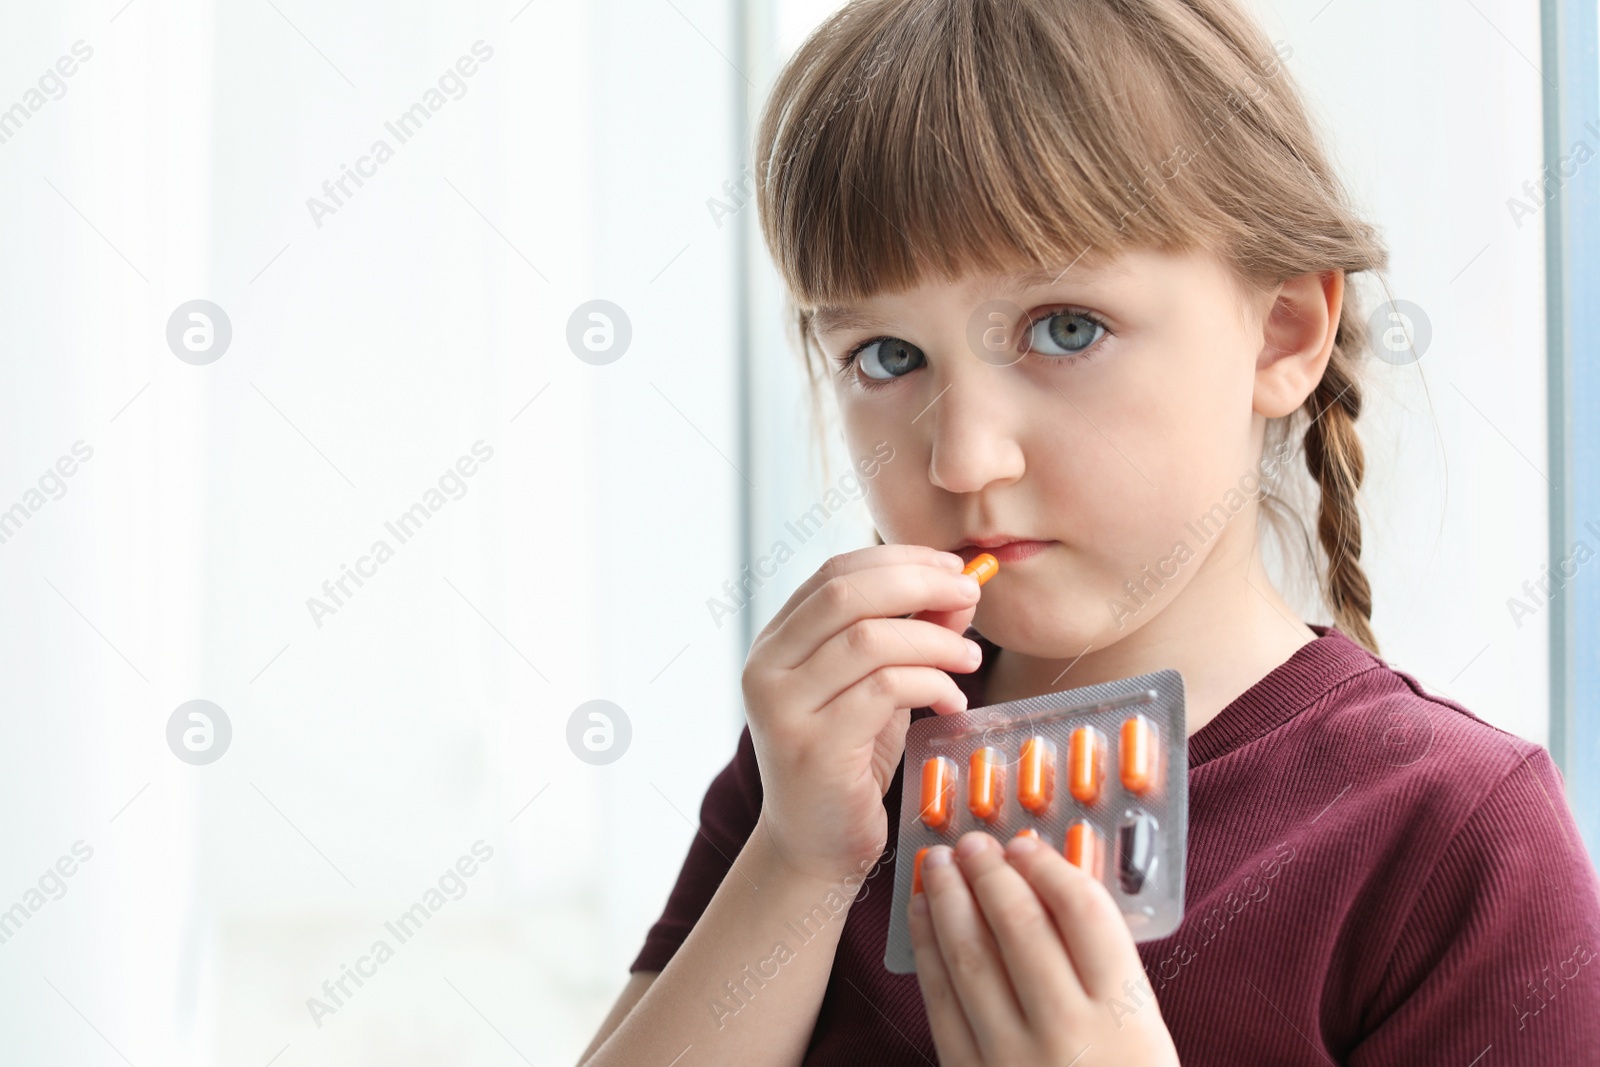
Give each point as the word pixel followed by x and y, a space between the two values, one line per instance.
pixel 1313 669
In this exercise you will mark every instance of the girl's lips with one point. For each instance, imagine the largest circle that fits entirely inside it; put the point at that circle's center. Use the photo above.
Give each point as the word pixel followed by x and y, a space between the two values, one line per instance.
pixel 1010 552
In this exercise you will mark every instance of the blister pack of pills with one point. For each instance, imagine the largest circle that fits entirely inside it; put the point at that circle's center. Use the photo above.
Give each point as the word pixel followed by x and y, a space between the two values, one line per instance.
pixel 1099 773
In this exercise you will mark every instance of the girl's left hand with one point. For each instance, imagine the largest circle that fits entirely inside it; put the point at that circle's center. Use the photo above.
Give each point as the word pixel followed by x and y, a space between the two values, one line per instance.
pixel 1025 959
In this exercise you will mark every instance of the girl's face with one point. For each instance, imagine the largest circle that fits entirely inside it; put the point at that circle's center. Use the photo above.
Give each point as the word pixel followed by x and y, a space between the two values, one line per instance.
pixel 1114 412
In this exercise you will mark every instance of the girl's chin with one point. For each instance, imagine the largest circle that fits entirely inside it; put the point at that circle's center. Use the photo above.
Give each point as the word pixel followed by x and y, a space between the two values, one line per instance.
pixel 1060 631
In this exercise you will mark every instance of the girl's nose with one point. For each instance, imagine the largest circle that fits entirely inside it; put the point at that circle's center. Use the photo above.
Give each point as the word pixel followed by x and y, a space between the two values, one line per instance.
pixel 974 443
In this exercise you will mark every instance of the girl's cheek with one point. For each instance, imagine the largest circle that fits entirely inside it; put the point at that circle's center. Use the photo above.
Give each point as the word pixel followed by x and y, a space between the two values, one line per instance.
pixel 899 509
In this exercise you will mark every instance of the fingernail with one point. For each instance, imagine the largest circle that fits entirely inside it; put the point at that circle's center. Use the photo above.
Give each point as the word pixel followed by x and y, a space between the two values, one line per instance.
pixel 974 652
pixel 938 856
pixel 953 561
pixel 972 844
pixel 1023 843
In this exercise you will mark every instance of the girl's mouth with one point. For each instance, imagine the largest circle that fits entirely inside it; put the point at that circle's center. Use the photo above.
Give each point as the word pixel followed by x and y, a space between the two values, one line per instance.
pixel 1006 552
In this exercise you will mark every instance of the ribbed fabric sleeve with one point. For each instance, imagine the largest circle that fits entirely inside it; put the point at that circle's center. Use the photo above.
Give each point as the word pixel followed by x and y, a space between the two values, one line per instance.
pixel 1496 959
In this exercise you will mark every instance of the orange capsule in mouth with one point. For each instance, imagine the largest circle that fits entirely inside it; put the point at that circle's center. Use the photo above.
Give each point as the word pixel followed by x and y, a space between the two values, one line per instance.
pixel 1137 754
pixel 1036 773
pixel 916 871
pixel 1086 764
pixel 986 783
pixel 1082 848
pixel 983 566
pixel 938 792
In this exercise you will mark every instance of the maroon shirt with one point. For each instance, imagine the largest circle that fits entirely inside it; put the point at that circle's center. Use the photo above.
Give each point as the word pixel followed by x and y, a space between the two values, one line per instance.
pixel 1376 876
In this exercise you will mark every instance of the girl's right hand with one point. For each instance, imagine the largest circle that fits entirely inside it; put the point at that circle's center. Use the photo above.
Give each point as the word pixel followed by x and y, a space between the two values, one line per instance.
pixel 829 688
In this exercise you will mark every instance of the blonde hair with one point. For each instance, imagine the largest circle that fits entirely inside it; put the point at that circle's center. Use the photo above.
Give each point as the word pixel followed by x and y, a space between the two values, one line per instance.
pixel 915 138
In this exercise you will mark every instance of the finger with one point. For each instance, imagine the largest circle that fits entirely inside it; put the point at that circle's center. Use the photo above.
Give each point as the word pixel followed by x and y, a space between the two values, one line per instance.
pixel 1097 937
pixel 955 621
pixel 880 592
pixel 1037 962
pixel 859 714
pixel 871 644
pixel 860 559
pixel 971 958
pixel 951 1034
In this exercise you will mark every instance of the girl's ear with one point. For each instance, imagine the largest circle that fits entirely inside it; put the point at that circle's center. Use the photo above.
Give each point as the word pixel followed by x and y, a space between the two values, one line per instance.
pixel 1297 339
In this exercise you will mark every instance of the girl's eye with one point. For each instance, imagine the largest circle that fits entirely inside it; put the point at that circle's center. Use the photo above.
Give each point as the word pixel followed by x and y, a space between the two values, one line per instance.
pixel 1064 333
pixel 888 357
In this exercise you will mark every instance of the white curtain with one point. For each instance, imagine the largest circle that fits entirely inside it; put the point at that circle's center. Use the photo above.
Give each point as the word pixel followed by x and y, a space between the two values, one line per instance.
pixel 389 335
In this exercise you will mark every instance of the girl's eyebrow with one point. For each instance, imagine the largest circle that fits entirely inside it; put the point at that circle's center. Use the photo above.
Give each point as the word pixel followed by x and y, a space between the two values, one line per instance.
pixel 828 318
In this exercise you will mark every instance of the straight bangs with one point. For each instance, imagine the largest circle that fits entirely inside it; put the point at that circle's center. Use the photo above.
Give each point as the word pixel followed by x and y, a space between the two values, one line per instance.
pixel 916 138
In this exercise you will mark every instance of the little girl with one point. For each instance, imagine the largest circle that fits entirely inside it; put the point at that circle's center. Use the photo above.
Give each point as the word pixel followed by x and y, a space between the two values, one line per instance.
pixel 1081 264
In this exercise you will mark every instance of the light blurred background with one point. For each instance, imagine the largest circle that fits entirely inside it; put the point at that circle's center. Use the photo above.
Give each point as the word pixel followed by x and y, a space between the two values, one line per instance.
pixel 596 151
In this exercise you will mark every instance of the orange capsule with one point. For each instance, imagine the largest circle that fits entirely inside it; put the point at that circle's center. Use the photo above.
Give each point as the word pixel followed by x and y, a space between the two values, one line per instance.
pixel 938 792
pixel 1086 764
pixel 916 871
pixel 986 783
pixel 1027 831
pixel 1082 848
pixel 1138 754
pixel 1036 773
pixel 983 566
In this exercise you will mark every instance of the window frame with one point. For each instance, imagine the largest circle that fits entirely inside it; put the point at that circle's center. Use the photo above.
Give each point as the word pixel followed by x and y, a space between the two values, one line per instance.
pixel 1570 41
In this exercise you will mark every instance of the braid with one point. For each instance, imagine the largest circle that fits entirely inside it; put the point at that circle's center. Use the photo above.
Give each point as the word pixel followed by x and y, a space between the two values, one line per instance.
pixel 1335 459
